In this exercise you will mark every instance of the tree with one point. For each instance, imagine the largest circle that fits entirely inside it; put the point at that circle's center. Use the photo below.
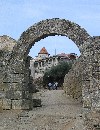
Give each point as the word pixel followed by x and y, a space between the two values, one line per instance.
pixel 57 73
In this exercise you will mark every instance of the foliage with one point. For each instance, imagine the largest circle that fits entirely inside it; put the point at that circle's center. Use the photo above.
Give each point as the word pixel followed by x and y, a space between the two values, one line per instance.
pixel 57 73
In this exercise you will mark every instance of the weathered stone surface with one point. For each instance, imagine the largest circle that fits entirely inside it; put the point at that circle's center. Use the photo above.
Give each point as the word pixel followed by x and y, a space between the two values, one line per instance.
pixel 82 82
pixel 21 104
pixel 1 105
pixel 6 43
pixel 6 47
pixel 14 94
pixel 0 102
pixel 37 103
pixel 7 104
pixel 73 81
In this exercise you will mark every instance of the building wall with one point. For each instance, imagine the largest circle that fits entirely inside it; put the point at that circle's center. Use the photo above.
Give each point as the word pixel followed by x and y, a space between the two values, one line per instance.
pixel 43 55
pixel 39 67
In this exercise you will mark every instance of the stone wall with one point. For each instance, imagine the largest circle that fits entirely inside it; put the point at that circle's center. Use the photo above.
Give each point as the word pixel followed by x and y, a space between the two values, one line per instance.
pixel 6 47
pixel 12 94
pixel 91 86
pixel 18 75
pixel 73 81
pixel 83 82
pixel 85 74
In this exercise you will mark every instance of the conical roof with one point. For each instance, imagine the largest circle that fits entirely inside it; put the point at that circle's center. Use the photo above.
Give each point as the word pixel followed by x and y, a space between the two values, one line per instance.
pixel 43 51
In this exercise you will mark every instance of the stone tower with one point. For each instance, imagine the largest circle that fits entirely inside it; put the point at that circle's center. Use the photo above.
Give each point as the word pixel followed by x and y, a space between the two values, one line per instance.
pixel 43 53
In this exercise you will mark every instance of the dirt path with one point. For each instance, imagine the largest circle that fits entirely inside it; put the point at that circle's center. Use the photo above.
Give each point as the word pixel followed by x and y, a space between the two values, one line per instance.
pixel 58 112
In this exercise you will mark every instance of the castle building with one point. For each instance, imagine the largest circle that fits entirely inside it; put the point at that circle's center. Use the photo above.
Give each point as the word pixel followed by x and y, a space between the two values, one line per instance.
pixel 43 53
pixel 44 62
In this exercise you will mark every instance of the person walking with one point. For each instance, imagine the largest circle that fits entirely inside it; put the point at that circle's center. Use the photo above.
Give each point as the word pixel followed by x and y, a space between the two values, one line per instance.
pixel 56 85
pixel 49 85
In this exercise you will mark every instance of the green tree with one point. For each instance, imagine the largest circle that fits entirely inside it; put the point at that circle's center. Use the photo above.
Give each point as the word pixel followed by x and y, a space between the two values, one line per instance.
pixel 57 73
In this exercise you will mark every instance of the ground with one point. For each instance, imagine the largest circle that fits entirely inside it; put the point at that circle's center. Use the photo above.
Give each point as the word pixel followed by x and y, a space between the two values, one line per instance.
pixel 58 112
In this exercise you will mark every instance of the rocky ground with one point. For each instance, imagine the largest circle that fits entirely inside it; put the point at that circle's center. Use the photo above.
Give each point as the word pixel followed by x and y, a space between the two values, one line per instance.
pixel 58 112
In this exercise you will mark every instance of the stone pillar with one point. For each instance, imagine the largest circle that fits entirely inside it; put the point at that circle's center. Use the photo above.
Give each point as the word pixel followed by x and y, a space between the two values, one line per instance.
pixel 17 95
pixel 91 87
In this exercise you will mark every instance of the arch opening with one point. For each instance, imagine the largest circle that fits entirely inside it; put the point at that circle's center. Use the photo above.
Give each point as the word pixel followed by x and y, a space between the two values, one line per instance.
pixel 54 35
pixel 64 54
pixel 17 77
pixel 52 27
pixel 19 63
pixel 59 43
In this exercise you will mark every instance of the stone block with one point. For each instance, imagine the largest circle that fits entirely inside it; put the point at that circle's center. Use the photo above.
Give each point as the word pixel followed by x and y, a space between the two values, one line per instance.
pixel 1 108
pixel 16 104
pixel 2 94
pixel 6 104
pixel 26 95
pixel 21 104
pixel 14 86
pixel 14 78
pixel 26 104
pixel 3 86
pixel 96 99
pixel 0 102
pixel 87 102
pixel 13 94
pixel 19 86
pixel 18 66
pixel 17 94
pixel 37 103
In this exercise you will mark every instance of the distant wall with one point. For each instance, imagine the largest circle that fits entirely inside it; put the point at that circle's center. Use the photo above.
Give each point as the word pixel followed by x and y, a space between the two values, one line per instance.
pixel 73 81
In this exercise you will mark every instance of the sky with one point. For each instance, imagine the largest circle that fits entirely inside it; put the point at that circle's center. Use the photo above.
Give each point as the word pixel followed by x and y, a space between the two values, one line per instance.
pixel 16 16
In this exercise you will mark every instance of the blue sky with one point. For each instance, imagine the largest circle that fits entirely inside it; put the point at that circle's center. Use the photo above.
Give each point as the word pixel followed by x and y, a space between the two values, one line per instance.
pixel 17 16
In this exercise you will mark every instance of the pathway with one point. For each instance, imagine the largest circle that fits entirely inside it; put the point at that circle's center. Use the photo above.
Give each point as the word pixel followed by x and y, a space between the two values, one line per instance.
pixel 58 112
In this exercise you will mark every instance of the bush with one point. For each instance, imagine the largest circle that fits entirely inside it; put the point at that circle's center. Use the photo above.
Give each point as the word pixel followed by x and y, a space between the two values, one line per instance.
pixel 56 73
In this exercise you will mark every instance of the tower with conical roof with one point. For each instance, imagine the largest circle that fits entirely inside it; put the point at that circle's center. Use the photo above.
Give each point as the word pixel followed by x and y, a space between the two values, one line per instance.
pixel 43 53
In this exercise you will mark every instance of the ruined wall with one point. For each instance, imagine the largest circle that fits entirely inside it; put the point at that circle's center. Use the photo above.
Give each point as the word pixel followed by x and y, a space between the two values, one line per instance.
pixel 73 81
pixel 91 86
pixel 6 47
pixel 15 74
pixel 17 79
pixel 83 82
pixel 11 87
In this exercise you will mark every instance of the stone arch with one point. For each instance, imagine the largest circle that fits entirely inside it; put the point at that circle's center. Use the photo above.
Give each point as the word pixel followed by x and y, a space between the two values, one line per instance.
pixel 18 78
pixel 51 27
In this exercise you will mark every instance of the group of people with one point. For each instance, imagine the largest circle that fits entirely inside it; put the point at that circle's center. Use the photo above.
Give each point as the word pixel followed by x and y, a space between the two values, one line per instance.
pixel 53 86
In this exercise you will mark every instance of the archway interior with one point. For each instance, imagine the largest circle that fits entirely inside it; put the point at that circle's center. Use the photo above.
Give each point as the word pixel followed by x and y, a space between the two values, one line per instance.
pixel 59 43
pixel 50 27
pixel 62 44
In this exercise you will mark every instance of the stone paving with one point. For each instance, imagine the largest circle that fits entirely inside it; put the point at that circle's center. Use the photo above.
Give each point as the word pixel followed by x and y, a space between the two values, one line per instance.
pixel 58 112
